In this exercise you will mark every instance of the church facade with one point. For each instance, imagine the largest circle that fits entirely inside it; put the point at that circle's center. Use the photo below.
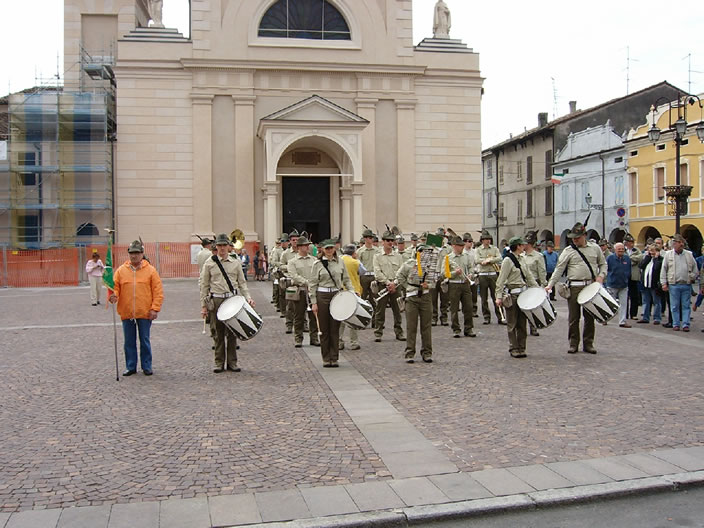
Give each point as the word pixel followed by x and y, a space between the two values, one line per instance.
pixel 282 114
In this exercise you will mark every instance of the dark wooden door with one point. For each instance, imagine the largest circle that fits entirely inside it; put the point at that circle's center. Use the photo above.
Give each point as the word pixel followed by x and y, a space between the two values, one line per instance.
pixel 306 206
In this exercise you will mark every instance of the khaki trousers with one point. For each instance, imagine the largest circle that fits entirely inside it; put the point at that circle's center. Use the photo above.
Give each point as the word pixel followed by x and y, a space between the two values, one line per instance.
pixel 419 308
pixel 366 282
pixel 225 340
pixel 444 298
pixel 330 328
pixel 96 284
pixel 300 309
pixel 516 327
pixel 575 313
pixel 461 293
pixel 475 290
pixel 380 315
pixel 487 287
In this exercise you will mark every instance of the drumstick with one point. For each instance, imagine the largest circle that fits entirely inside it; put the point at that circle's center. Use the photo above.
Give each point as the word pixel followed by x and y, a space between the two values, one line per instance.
pixel 203 326
pixel 318 323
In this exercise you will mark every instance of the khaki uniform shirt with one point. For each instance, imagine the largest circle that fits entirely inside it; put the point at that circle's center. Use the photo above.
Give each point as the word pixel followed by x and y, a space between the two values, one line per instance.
pixel 510 276
pixel 300 269
pixel 366 257
pixel 212 280
pixel 481 253
pixel 402 276
pixel 275 257
pixel 287 255
pixel 386 266
pixel 574 264
pixel 464 262
pixel 320 278
pixel 203 255
pixel 409 252
pixel 536 265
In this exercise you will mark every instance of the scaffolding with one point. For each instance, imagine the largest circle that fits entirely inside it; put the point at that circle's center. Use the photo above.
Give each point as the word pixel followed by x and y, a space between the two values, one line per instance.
pixel 56 187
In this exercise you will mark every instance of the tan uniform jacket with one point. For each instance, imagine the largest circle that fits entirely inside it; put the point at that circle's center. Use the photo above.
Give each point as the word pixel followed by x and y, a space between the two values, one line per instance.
pixel 203 255
pixel 275 257
pixel 386 266
pixel 536 265
pixel 288 255
pixel 402 276
pixel 409 252
pixel 481 253
pixel 574 264
pixel 636 256
pixel 510 276
pixel 300 269
pixel 212 280
pixel 337 278
pixel 366 257
pixel 464 262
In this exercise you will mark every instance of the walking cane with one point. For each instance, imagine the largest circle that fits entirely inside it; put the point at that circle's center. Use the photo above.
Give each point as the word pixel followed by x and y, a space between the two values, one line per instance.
pixel 114 333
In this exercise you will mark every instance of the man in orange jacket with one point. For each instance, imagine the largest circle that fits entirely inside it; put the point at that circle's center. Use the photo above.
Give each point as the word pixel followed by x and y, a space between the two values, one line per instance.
pixel 138 294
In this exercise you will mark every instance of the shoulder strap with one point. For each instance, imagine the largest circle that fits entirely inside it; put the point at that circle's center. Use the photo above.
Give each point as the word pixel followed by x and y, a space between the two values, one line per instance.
pixel 325 264
pixel 517 264
pixel 222 270
pixel 574 246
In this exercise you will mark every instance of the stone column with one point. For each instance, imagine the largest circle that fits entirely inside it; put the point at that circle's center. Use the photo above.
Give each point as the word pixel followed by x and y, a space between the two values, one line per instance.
pixel 202 163
pixel 358 218
pixel 271 223
pixel 366 108
pixel 244 164
pixel 346 199
pixel 406 163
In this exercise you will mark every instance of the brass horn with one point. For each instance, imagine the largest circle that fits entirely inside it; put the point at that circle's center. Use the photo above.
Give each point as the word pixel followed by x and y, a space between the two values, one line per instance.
pixel 237 236
pixel 395 231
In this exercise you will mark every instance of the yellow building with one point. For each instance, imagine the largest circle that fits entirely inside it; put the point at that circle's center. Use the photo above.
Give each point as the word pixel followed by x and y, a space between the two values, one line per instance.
pixel 652 167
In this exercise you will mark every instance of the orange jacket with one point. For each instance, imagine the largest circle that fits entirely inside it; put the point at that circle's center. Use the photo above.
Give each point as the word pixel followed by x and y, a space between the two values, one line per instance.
pixel 138 290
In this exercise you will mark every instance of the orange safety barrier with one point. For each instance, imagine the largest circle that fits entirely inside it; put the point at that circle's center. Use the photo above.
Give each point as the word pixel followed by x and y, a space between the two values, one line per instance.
pixel 41 267
pixel 66 267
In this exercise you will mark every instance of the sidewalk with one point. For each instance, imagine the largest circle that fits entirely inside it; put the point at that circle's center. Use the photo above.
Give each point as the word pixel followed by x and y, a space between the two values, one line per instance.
pixel 375 442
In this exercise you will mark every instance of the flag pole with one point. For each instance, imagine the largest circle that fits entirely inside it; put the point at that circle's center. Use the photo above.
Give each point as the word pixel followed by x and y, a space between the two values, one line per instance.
pixel 114 333
pixel 109 281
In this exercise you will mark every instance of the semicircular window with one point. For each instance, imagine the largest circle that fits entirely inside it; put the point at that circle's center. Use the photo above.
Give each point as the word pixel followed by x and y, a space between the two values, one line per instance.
pixel 304 19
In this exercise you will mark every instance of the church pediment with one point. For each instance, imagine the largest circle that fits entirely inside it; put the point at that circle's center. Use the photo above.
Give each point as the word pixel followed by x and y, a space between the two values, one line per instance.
pixel 315 109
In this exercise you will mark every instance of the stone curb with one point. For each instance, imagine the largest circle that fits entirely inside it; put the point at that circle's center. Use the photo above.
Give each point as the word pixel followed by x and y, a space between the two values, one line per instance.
pixel 525 501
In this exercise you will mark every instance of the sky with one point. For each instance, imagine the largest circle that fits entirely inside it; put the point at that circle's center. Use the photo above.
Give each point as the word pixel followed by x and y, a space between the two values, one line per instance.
pixel 535 56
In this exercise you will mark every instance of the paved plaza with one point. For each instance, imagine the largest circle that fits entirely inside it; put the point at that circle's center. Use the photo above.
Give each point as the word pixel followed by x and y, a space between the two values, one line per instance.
pixel 282 438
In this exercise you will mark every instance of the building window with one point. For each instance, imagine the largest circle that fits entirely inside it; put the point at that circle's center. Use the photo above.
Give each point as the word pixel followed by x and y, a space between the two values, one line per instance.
pixel 634 188
pixel 659 192
pixel 489 205
pixel 548 164
pixel 619 159
pixel 529 203
pixel 660 147
pixel 519 211
pixel 618 190
pixel 685 142
pixel 529 170
pixel 304 19
pixel 548 200
pixel 519 171
pixel 86 230
pixel 501 212
pixel 28 229
pixel 585 192
pixel 701 178
pixel 684 174
pixel 566 170
pixel 28 178
pixel 489 169
pixel 633 153
pixel 501 175
pixel 565 205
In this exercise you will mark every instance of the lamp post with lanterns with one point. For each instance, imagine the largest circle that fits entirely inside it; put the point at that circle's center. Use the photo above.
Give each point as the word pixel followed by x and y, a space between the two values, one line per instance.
pixel 678 193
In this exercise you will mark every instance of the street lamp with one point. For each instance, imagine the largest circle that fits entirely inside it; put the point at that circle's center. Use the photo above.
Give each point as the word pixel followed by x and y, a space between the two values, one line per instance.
pixel 678 194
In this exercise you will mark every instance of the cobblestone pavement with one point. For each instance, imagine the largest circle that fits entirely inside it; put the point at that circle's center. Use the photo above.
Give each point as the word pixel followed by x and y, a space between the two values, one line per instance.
pixel 484 409
pixel 73 436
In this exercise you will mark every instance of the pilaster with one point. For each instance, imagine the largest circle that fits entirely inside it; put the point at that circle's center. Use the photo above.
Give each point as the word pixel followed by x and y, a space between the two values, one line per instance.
pixel 366 108
pixel 202 163
pixel 244 162
pixel 406 163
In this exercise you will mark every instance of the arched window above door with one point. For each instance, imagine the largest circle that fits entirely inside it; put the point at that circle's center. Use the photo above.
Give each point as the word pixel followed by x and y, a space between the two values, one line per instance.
pixel 304 19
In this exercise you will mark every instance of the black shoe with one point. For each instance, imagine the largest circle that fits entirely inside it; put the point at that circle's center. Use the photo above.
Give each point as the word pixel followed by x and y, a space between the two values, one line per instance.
pixel 457 336
pixel 334 364
pixel 237 347
pixel 502 323
pixel 236 369
pixel 667 325
pixel 400 338
pixel 470 334
pixel 298 345
pixel 129 372
pixel 518 354
pixel 98 302
pixel 94 304
pixel 434 323
pixel 218 370
pixel 289 331
pixel 487 322
pixel 534 333
pixel 341 346
pixel 572 351
pixel 427 360
pixel 212 347
pixel 590 350
pixel 410 360
pixel 445 323
pixel 147 372
pixel 315 343
pixel 377 339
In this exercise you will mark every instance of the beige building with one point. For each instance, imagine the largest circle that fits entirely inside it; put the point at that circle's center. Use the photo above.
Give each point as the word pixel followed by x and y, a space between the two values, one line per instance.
pixel 265 121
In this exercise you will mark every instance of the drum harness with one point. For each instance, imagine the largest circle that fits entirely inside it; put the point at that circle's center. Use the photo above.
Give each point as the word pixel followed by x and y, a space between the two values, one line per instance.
pixel 227 279
pixel 574 246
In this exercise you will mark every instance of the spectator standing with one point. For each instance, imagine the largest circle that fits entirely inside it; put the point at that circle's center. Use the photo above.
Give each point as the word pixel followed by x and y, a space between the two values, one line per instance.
pixel 94 269
pixel 679 271
pixel 550 256
pixel 139 295
pixel 355 270
pixel 700 297
pixel 618 273
pixel 636 256
pixel 650 266
pixel 244 257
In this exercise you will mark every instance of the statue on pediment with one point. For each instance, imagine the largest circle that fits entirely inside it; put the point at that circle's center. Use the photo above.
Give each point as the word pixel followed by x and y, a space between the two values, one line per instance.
pixel 155 8
pixel 442 21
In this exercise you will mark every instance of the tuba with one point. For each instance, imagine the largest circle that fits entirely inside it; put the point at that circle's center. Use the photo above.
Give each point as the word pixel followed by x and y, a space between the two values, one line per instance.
pixel 237 237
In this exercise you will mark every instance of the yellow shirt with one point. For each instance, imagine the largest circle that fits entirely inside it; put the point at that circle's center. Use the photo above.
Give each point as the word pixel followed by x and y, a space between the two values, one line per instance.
pixel 352 266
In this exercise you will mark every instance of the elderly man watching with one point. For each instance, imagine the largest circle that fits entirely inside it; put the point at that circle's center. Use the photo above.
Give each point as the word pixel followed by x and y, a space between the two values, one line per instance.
pixel 678 273
pixel 618 272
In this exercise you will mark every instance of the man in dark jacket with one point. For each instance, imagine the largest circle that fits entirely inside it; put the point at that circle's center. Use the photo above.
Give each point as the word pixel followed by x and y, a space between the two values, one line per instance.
pixel 652 289
pixel 618 273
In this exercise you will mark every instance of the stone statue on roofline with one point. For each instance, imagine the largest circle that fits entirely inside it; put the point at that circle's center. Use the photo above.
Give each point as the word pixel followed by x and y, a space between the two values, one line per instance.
pixel 155 12
pixel 442 21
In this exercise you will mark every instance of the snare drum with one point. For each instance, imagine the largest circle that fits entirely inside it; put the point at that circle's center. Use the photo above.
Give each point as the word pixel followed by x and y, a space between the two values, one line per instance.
pixel 596 300
pixel 240 318
pixel 536 305
pixel 350 309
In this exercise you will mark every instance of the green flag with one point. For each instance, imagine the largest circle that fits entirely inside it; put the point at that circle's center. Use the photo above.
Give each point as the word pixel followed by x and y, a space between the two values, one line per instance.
pixel 108 279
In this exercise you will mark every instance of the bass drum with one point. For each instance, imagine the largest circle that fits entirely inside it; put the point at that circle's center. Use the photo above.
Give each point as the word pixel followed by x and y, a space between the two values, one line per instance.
pixel 535 304
pixel 240 318
pixel 351 309
pixel 596 300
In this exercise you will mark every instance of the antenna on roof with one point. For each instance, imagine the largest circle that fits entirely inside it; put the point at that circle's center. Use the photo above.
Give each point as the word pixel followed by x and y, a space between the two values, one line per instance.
pixel 690 71
pixel 628 69
pixel 554 98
